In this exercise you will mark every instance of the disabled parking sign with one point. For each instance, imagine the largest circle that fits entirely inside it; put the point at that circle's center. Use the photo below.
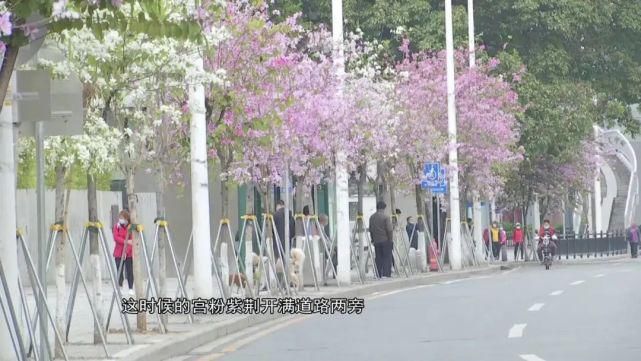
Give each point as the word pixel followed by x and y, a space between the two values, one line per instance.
pixel 434 178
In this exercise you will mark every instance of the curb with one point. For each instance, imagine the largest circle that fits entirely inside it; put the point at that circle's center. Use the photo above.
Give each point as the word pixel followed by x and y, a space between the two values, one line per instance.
pixel 180 344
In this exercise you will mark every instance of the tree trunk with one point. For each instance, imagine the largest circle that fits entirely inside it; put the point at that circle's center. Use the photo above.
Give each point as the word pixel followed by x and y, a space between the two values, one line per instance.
pixel 268 232
pixel 298 209
pixel 8 64
pixel 224 243
pixel 463 206
pixel 420 205
pixel 360 224
pixel 94 253
pixel 249 209
pixel 362 179
pixel 381 183
pixel 247 242
pixel 162 242
pixel 139 278
pixel 392 201
pixel 392 197
pixel 60 253
pixel 544 209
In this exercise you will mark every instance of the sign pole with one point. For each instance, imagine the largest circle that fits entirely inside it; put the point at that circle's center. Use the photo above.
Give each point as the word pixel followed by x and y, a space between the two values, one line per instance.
pixel 42 244
pixel 438 221
pixel 455 249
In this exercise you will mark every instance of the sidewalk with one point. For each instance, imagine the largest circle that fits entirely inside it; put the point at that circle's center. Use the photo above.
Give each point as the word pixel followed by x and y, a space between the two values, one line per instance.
pixel 183 336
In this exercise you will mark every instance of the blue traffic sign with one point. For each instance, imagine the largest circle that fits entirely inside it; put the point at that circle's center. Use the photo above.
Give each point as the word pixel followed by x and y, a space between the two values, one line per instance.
pixel 434 178
pixel 431 171
pixel 439 190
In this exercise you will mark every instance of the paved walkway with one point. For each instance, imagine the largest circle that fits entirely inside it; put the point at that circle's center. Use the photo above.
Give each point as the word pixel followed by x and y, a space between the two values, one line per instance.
pixel 81 344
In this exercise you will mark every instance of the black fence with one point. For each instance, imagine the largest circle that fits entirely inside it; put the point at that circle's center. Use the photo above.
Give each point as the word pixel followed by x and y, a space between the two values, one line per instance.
pixel 604 244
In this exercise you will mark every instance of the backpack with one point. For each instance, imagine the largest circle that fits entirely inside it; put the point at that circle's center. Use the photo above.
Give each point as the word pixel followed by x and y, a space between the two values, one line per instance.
pixel 634 235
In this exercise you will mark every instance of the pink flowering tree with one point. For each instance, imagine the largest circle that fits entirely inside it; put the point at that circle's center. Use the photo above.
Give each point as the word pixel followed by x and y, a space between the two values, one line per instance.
pixel 242 115
pixel 486 123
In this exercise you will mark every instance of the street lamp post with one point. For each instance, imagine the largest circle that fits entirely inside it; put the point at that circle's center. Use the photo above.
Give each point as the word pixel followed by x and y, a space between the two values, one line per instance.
pixel 200 189
pixel 342 197
pixel 470 32
pixel 476 201
pixel 455 216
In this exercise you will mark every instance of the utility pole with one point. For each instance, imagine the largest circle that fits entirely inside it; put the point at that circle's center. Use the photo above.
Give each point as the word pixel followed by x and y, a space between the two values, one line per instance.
pixel 598 212
pixel 470 33
pixel 455 249
pixel 342 196
pixel 286 197
pixel 476 201
pixel 200 189
pixel 8 244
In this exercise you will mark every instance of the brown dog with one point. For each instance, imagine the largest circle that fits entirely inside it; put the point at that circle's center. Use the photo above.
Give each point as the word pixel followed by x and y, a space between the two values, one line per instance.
pixel 238 279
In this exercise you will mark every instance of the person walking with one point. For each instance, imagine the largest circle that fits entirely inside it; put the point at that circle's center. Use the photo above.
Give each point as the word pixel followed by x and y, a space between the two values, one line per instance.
pixel 380 230
pixel 279 220
pixel 503 238
pixel 412 232
pixel 123 251
pixel 486 241
pixel 495 234
pixel 633 238
pixel 517 237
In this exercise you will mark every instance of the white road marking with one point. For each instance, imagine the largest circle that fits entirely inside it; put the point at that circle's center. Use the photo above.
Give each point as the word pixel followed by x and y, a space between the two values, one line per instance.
pixel 536 307
pixel 399 291
pixel 517 330
pixel 531 358
pixel 389 293
pixel 599 275
pixel 576 283
pixel 556 293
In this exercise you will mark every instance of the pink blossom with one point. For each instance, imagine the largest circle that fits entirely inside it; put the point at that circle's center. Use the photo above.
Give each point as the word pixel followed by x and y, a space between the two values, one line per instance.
pixel 493 63
pixel 5 24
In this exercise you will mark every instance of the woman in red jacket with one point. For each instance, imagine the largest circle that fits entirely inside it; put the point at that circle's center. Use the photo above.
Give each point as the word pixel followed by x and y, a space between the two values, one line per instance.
pixel 517 237
pixel 124 245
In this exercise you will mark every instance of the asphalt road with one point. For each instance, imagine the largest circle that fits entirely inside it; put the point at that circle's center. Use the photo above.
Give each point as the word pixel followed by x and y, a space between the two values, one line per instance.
pixel 570 313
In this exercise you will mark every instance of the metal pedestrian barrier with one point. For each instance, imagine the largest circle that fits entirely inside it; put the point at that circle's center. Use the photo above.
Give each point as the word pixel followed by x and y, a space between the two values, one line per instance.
pixel 591 245
pixel 32 322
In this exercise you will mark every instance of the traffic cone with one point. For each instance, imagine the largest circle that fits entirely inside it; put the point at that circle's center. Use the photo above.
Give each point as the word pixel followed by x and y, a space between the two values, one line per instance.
pixel 434 253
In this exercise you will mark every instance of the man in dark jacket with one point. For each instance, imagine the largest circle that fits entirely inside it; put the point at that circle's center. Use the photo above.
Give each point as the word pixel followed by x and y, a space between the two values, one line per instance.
pixel 380 230
pixel 279 219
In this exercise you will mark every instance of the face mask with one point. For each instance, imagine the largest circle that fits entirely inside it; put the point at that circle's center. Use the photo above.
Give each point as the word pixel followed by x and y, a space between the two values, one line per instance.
pixel 122 221
pixel 546 226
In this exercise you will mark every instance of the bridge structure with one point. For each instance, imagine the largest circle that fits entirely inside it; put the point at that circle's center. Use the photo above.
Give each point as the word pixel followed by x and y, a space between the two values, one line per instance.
pixel 616 187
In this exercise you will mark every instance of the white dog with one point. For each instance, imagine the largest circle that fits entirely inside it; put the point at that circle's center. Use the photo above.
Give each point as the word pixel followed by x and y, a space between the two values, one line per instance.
pixel 256 270
pixel 297 260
